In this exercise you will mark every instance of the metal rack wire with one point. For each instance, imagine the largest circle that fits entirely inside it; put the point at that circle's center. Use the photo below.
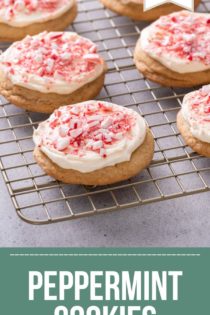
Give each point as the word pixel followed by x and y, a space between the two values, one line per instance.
pixel 175 171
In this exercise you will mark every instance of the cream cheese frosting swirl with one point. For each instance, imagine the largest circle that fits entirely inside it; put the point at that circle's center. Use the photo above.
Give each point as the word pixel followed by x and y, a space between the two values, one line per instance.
pixel 90 135
pixel 56 62
pixel 179 41
pixel 20 13
pixel 196 112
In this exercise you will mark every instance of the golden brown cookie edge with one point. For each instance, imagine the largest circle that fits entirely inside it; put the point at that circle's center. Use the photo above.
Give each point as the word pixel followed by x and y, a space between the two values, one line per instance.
pixel 158 73
pixel 105 176
pixel 35 101
pixel 202 148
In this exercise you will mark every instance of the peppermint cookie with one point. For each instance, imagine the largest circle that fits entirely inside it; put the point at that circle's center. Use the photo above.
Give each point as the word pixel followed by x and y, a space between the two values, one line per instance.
pixel 19 18
pixel 175 51
pixel 194 120
pixel 93 143
pixel 135 9
pixel 43 72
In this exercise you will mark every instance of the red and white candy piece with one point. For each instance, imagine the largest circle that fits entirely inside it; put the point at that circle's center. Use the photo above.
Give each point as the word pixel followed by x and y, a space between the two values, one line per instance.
pixel 93 126
pixel 15 7
pixel 198 104
pixel 185 35
pixel 53 56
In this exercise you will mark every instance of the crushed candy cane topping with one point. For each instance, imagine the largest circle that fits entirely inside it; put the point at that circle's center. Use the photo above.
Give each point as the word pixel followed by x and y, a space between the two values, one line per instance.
pixel 198 104
pixel 61 56
pixel 11 8
pixel 91 135
pixel 184 35
pixel 86 127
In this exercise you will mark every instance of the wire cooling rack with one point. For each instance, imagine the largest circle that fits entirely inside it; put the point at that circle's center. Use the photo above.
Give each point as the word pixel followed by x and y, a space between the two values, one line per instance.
pixel 175 171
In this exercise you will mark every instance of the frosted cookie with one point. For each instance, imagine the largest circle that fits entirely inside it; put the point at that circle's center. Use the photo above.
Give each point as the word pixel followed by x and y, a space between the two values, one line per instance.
pixel 43 72
pixel 175 51
pixel 194 120
pixel 93 143
pixel 19 18
pixel 135 9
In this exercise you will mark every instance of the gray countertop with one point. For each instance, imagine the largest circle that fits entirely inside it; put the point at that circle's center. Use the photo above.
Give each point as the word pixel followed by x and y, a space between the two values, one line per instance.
pixel 181 222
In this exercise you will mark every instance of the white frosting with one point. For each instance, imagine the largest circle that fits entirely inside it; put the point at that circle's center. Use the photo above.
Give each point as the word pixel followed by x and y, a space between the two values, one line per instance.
pixel 58 86
pixel 23 17
pixel 120 151
pixel 169 59
pixel 47 84
pixel 196 112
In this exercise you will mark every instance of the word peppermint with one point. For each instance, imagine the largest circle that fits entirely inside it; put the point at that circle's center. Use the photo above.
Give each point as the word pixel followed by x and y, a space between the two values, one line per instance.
pixel 103 287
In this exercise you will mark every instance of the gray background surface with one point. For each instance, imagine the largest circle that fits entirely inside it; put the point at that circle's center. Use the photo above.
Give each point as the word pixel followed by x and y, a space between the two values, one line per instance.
pixel 181 222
